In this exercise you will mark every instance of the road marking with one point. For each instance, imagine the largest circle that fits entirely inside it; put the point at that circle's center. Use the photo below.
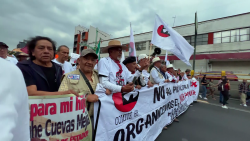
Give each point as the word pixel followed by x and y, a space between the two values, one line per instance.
pixel 219 105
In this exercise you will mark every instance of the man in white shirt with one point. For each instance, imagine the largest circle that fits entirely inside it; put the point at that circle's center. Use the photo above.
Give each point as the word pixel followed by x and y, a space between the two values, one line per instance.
pixel 4 53
pixel 14 113
pixel 142 58
pixel 155 74
pixel 169 74
pixel 63 56
pixel 114 75
pixel 187 72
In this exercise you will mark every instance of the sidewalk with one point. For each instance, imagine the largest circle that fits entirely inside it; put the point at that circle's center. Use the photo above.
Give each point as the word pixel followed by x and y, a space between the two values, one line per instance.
pixel 232 103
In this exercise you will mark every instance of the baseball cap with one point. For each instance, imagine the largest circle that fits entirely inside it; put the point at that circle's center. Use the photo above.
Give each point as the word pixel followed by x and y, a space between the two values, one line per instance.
pixel 88 51
pixel 3 44
pixel 142 56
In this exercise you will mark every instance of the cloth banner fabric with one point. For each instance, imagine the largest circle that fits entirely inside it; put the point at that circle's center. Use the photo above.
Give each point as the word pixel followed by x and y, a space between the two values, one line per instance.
pixel 59 118
pixel 141 115
pixel 165 37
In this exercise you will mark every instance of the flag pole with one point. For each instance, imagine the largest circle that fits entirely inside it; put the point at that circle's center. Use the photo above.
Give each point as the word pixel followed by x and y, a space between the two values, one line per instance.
pixel 195 38
pixel 150 48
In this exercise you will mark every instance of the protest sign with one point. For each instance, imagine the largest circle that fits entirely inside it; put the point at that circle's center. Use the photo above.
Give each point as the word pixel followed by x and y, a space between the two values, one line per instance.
pixel 141 115
pixel 59 118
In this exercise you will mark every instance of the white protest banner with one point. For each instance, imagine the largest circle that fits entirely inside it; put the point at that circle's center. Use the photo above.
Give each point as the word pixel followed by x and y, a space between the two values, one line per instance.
pixel 142 114
pixel 59 118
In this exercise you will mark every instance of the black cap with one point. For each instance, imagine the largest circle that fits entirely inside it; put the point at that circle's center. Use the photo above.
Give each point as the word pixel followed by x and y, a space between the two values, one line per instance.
pixel 130 59
pixel 3 44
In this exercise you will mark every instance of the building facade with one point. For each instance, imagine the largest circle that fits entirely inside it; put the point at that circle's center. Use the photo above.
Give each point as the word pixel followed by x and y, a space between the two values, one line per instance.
pixel 84 36
pixel 22 44
pixel 222 44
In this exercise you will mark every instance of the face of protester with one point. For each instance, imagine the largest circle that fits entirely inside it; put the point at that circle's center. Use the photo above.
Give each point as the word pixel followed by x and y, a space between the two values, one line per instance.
pixel 87 63
pixel 244 81
pixel 63 54
pixel 3 52
pixel 170 70
pixel 157 64
pixel 163 68
pixel 132 67
pixel 189 77
pixel 43 51
pixel 188 72
pixel 182 74
pixel 116 53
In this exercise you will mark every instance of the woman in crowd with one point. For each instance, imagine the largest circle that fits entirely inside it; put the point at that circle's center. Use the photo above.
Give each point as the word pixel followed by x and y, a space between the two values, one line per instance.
pixel 225 91
pixel 204 87
pixel 211 87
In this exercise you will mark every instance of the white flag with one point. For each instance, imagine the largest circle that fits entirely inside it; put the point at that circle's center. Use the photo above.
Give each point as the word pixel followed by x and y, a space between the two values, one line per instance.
pixel 123 57
pixel 132 51
pixel 166 59
pixel 165 37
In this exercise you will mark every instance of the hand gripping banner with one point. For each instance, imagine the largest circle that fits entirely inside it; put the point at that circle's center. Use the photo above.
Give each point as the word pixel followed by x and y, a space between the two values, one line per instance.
pixel 59 118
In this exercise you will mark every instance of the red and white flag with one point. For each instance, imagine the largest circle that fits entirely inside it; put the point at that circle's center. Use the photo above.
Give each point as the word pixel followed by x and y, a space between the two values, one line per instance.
pixel 132 51
pixel 165 37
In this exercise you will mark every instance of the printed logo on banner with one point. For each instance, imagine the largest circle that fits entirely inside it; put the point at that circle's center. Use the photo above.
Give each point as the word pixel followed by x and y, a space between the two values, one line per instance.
pixel 125 102
pixel 162 31
pixel 193 84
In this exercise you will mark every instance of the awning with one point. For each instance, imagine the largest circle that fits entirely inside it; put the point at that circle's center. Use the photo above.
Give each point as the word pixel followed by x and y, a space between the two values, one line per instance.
pixel 218 56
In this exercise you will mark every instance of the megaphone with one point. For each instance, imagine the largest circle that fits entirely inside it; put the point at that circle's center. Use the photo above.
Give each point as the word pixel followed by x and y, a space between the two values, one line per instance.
pixel 157 51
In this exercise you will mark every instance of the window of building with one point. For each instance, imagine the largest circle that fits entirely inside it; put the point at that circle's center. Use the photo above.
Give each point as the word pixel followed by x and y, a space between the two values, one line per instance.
pixel 234 35
pixel 201 39
pixel 140 46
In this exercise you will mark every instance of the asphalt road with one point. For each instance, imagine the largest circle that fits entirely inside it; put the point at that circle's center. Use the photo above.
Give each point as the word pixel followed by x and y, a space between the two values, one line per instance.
pixel 207 121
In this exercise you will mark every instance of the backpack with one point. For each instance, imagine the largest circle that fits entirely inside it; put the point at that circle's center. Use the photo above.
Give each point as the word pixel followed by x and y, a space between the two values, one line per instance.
pixel 221 87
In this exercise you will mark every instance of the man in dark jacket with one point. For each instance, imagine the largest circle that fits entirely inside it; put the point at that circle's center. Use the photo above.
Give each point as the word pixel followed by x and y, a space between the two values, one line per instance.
pixel 42 76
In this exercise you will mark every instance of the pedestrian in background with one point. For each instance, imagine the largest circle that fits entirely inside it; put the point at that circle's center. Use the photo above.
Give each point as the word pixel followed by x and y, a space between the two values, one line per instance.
pixel 225 91
pixel 204 87
pixel 243 88
pixel 211 87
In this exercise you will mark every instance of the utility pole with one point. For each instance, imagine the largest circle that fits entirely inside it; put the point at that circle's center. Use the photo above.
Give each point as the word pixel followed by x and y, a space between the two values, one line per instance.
pixel 195 38
pixel 174 20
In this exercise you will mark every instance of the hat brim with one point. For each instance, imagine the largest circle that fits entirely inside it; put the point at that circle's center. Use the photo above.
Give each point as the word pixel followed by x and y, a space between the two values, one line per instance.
pixel 105 49
pixel 96 57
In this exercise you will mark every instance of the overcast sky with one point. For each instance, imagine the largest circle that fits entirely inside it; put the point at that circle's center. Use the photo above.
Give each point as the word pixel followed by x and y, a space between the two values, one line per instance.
pixel 22 19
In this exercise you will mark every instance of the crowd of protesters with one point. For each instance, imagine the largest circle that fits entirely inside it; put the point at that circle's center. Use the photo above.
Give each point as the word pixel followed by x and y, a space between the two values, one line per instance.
pixel 45 75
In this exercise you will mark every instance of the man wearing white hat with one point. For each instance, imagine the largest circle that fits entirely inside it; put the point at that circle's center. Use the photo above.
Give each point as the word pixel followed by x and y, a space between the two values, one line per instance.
pixel 142 58
pixel 114 75
pixel 169 73
pixel 155 74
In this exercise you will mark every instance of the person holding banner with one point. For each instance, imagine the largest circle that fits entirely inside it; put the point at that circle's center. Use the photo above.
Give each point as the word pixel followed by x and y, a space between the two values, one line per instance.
pixel 169 74
pixel 130 63
pixel 41 75
pixel 155 74
pixel 142 58
pixel 114 75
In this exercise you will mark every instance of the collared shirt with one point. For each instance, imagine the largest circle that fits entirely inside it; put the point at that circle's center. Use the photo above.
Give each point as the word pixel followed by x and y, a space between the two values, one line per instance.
pixel 170 77
pixel 110 78
pixel 184 77
pixel 12 60
pixel 155 75
pixel 66 66
pixel 243 87
pixel 145 75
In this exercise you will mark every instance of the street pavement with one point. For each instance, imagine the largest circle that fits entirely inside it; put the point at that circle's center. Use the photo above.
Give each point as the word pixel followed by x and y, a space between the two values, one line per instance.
pixel 207 121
